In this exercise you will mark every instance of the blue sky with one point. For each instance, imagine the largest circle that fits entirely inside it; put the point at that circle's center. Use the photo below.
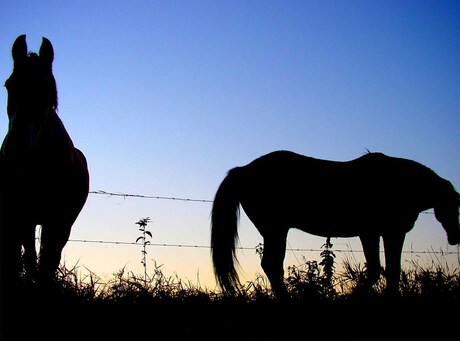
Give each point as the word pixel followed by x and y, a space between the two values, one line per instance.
pixel 164 97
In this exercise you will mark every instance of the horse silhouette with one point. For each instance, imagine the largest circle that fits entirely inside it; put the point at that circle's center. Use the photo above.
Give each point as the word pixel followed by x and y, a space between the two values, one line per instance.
pixel 44 178
pixel 374 196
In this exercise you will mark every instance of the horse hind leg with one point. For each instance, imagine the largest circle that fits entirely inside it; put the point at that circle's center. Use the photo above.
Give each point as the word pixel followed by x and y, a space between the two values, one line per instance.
pixel 273 259
pixel 53 239
pixel 371 248
pixel 393 245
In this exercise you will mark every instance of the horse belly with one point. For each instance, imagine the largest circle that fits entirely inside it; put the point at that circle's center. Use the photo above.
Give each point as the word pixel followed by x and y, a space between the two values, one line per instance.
pixel 338 223
pixel 328 229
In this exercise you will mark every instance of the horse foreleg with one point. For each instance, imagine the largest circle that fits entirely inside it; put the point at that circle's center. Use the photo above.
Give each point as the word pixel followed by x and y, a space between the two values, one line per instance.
pixel 371 248
pixel 10 257
pixel 30 252
pixel 273 259
pixel 393 244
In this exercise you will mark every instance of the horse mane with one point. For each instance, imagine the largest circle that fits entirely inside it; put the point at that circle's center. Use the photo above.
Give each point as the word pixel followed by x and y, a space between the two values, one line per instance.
pixel 408 162
pixel 434 182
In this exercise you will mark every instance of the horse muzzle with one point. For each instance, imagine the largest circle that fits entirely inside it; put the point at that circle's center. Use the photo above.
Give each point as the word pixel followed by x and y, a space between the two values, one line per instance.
pixel 453 238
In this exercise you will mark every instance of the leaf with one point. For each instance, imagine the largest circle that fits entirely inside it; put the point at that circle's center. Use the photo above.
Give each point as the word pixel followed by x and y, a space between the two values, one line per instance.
pixel 139 239
pixel 149 233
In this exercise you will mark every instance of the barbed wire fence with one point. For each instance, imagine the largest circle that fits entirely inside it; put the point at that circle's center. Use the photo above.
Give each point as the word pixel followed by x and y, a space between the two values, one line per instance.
pixel 347 254
pixel 154 197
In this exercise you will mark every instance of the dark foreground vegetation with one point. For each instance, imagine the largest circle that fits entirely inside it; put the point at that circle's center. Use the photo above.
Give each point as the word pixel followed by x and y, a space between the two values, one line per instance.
pixel 323 305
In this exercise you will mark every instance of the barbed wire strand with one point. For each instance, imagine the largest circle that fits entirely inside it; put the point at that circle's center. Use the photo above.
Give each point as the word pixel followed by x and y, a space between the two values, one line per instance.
pixel 141 196
pixel 157 197
pixel 248 248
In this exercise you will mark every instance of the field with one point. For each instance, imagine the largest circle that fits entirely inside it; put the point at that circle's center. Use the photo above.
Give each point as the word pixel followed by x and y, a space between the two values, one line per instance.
pixel 322 305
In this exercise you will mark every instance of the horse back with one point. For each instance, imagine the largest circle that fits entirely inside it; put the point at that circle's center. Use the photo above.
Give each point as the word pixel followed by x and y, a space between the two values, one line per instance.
pixel 290 174
pixel 301 190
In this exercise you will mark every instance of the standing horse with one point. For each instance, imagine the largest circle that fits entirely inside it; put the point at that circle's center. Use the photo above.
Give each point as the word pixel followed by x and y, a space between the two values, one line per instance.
pixel 370 197
pixel 44 178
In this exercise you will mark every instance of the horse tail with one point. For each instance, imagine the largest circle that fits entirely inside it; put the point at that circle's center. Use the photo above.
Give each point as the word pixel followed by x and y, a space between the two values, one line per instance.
pixel 224 232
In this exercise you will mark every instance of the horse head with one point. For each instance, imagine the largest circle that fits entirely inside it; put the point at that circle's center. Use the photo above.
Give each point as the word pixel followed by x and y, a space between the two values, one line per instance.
pixel 446 211
pixel 32 99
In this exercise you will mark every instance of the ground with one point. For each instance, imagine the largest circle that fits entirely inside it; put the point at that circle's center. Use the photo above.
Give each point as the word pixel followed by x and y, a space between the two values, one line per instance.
pixel 359 320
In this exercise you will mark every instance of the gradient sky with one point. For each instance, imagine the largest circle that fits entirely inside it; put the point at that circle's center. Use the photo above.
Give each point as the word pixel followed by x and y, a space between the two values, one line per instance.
pixel 164 97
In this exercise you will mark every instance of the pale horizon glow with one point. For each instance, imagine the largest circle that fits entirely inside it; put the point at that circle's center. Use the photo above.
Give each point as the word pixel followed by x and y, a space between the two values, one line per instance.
pixel 164 97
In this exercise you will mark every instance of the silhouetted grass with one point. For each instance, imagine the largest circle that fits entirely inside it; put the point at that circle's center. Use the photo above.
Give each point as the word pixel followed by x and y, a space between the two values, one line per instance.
pixel 321 305
pixel 305 282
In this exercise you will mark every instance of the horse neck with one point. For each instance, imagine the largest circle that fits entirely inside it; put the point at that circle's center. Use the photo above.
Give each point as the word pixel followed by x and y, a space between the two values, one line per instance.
pixel 55 148
pixel 54 133
pixel 434 191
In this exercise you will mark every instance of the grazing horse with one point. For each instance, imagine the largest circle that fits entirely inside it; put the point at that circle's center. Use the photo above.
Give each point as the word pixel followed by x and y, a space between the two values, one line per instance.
pixel 44 178
pixel 370 197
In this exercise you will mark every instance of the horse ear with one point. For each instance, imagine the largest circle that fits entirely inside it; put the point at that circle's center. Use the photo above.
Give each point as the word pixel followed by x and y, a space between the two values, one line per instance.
pixel 19 50
pixel 46 52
